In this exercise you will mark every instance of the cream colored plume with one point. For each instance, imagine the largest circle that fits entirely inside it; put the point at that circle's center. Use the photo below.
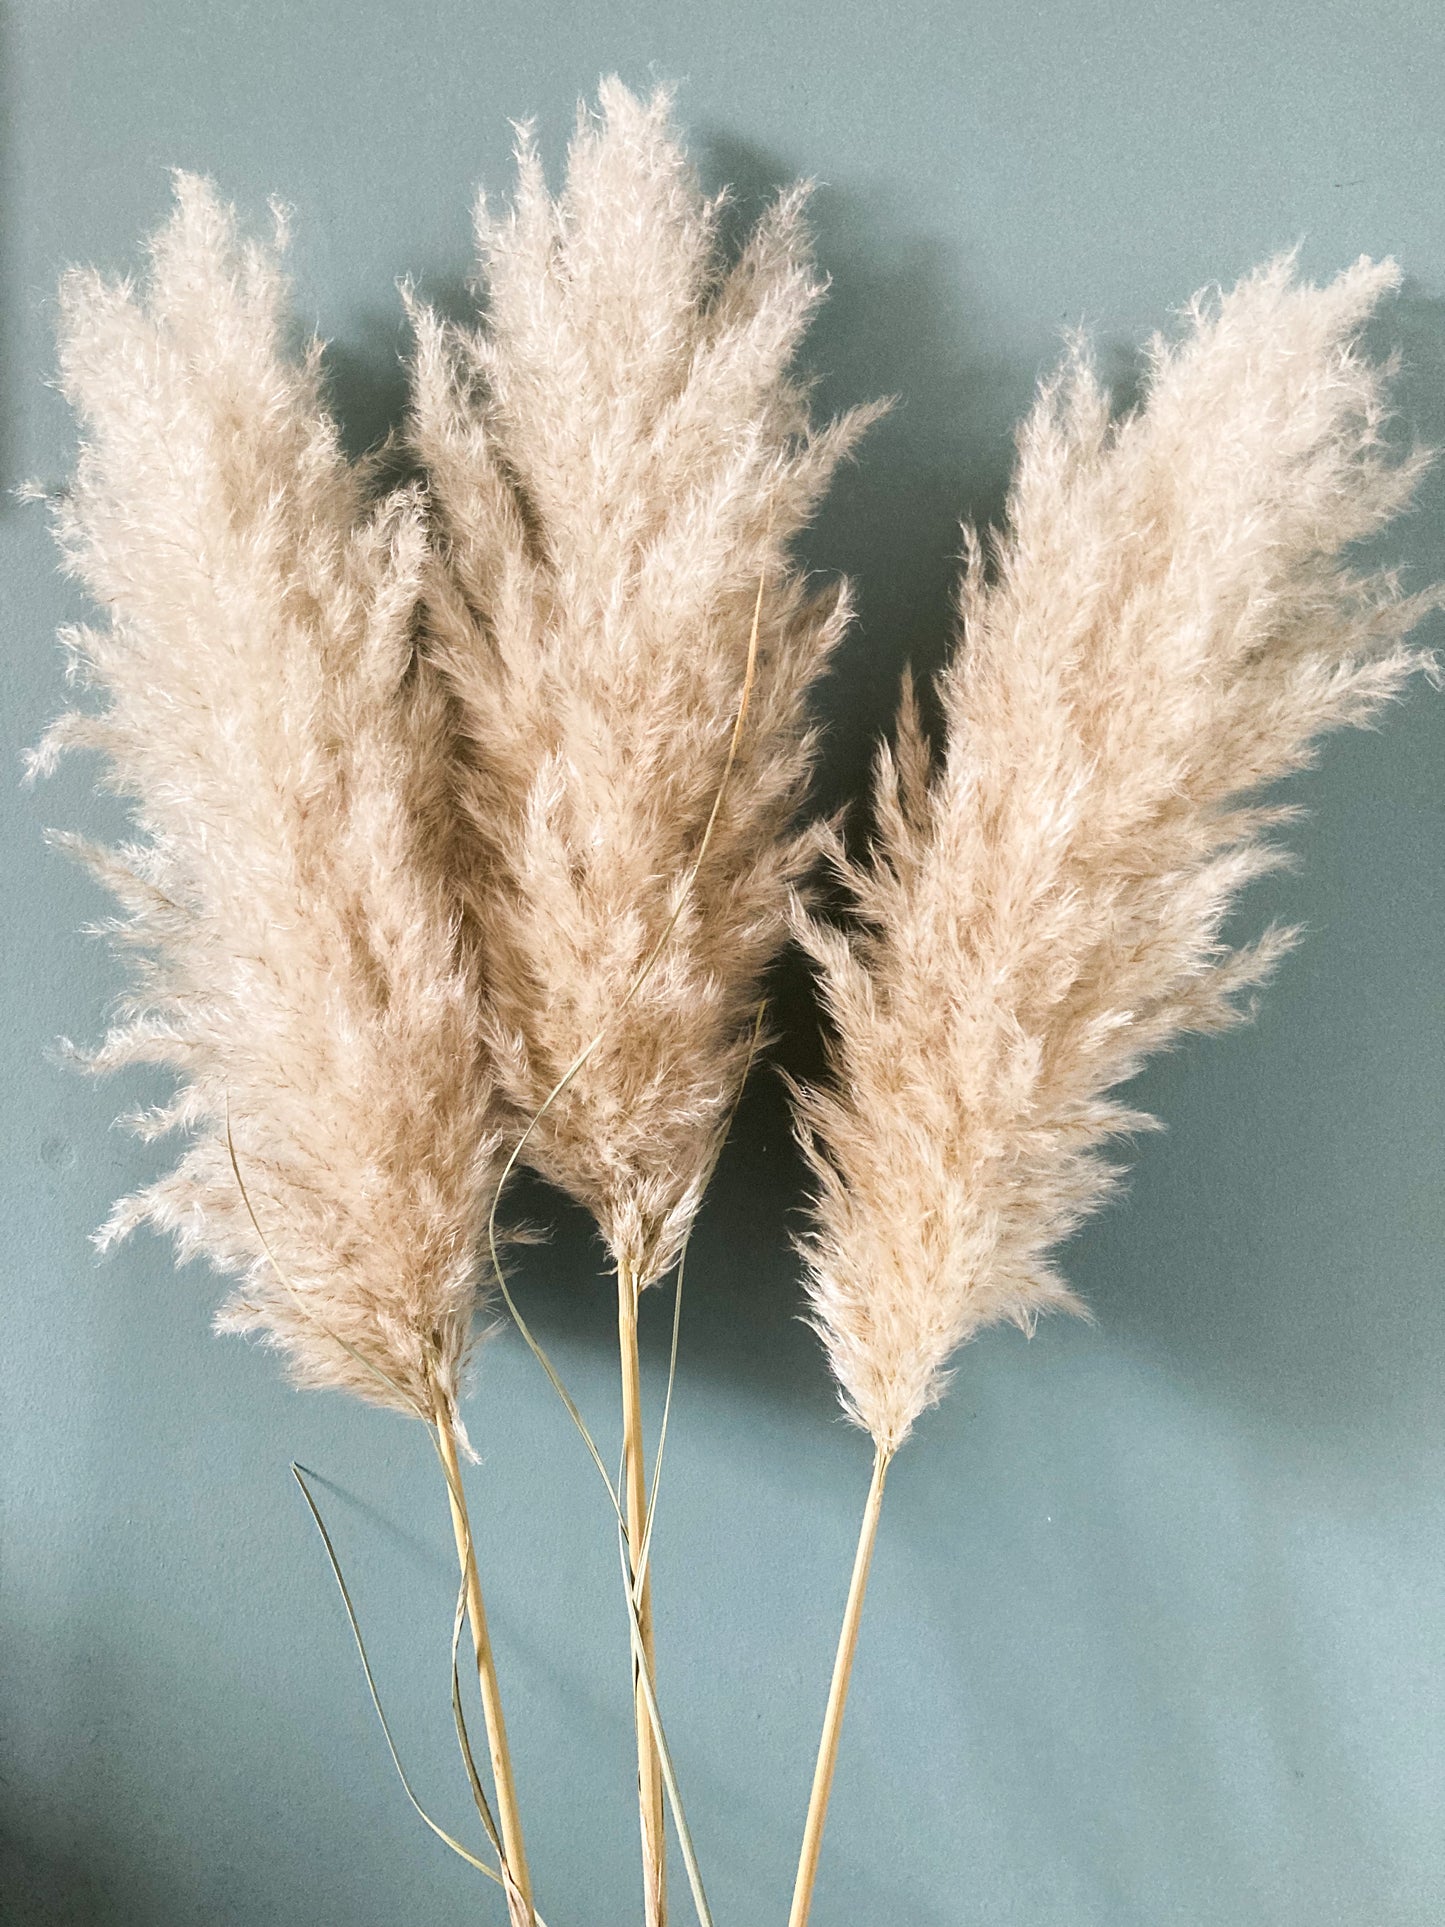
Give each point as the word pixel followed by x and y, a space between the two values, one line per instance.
pixel 1168 624
pixel 617 458
pixel 300 959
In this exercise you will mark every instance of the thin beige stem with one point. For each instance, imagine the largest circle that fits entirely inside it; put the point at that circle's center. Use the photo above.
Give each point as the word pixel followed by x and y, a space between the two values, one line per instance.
pixel 649 1767
pixel 518 1879
pixel 837 1699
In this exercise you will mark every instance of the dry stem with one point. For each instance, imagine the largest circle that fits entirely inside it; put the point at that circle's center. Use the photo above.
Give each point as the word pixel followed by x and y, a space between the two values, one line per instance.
pixel 837 1698
pixel 649 1771
pixel 518 1879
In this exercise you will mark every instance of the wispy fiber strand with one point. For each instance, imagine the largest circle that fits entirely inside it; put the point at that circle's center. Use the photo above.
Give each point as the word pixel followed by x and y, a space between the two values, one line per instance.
pixel 1167 626
pixel 618 463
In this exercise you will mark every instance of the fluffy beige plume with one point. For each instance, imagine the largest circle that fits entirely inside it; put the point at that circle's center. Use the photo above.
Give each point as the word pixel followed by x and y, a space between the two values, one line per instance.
pixel 302 964
pixel 617 459
pixel 618 464
pixel 1169 627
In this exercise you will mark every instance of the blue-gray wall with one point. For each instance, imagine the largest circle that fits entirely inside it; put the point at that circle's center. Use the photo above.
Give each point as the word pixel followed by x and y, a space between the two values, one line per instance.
pixel 1158 1624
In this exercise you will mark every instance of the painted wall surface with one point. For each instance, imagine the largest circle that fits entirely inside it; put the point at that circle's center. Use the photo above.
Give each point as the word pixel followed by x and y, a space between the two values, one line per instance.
pixel 1157 1631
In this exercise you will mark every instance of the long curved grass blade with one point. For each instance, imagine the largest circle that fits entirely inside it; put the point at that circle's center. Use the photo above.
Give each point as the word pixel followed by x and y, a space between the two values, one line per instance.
pixel 518 1906
pixel 456 1846
pixel 646 1549
pixel 723 1135
pixel 634 1624
pixel 669 1776
pixel 464 1741
pixel 745 698
pixel 538 1352
pixel 464 1738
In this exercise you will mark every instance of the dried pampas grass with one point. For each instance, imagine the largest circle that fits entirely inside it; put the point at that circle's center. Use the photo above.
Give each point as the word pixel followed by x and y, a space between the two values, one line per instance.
pixel 617 458
pixel 618 463
pixel 303 966
pixel 1169 624
pixel 467 811
pixel 1169 627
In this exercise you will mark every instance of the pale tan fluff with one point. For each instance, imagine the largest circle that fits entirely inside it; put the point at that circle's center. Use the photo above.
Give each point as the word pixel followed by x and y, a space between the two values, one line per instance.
pixel 300 959
pixel 1168 624
pixel 617 457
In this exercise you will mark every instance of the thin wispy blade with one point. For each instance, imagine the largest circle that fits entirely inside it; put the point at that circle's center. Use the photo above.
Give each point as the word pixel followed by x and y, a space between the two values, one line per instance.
pixel 662 1430
pixel 298 1473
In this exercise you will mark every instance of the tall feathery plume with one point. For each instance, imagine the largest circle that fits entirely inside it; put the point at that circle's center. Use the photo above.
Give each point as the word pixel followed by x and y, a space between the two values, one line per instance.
pixel 1168 626
pixel 618 462
pixel 303 965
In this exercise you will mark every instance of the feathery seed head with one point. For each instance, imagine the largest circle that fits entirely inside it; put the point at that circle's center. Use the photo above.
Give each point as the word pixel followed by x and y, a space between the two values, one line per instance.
pixel 617 458
pixel 1170 626
pixel 304 969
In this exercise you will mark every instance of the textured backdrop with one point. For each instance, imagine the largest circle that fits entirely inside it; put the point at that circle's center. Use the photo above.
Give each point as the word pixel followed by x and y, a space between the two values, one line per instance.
pixel 1157 1631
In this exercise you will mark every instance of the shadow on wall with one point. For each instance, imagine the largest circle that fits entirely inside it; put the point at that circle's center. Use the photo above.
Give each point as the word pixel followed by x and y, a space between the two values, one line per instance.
pixel 896 322
pixel 366 369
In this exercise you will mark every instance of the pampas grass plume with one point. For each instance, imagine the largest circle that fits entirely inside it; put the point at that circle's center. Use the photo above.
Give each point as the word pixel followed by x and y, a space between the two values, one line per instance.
pixel 617 458
pixel 301 962
pixel 1168 625
pixel 618 463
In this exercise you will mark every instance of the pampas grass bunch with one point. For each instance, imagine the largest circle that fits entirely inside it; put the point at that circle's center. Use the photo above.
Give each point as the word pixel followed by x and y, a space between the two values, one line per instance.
pixel 467 809
pixel 1167 625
